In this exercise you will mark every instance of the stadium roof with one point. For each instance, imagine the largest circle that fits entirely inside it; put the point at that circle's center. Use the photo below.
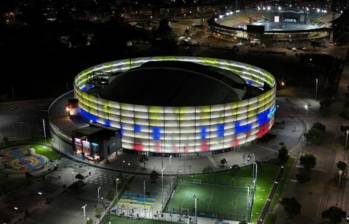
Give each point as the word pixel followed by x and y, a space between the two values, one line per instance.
pixel 172 83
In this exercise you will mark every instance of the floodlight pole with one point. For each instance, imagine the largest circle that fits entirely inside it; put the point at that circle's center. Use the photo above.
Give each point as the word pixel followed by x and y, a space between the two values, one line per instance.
pixel 346 139
pixel 196 208
pixel 254 183
pixel 249 203
pixel 84 211
pixel 116 187
pixel 44 127
pixel 144 196
pixel 98 189
pixel 162 187
pixel 316 87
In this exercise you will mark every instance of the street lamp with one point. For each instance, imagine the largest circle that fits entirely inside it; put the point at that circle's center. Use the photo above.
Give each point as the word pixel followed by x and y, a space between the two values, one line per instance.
pixel 162 187
pixel 282 83
pixel 316 87
pixel 346 138
pixel 306 107
pixel 196 208
pixel 340 173
pixel 98 189
pixel 144 196
pixel 44 127
pixel 84 211
pixel 116 187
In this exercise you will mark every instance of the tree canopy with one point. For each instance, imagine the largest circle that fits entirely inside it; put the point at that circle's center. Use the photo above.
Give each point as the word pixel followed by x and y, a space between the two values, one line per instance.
pixel 291 206
pixel 333 214
pixel 341 165
pixel 283 155
pixel 308 161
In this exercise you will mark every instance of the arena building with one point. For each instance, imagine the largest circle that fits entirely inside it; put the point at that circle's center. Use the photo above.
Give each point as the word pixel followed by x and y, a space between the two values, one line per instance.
pixel 170 105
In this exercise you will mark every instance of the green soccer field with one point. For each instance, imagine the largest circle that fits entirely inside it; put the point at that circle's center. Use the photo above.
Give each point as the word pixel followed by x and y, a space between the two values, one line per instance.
pixel 212 201
pixel 223 195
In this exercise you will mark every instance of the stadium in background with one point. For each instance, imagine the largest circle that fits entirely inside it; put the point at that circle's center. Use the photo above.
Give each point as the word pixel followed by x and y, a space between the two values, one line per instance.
pixel 281 25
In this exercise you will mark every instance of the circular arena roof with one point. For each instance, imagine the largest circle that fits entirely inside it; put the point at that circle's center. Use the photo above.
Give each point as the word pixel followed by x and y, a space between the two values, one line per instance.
pixel 179 129
pixel 175 83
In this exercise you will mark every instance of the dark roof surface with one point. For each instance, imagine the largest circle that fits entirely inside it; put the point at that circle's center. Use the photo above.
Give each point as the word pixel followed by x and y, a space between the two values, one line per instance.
pixel 175 84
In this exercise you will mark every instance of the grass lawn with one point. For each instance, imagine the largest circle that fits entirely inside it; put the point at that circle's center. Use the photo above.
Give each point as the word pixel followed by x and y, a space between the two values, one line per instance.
pixel 265 179
pixel 123 220
pixel 270 219
pixel 46 151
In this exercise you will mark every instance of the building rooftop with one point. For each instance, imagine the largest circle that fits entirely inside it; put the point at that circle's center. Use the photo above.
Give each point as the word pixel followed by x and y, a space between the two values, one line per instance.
pixel 172 83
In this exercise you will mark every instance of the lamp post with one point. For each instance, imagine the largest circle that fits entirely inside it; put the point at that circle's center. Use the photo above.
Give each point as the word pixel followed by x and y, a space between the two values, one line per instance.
pixel 340 173
pixel 116 187
pixel 144 196
pixel 282 83
pixel 84 211
pixel 162 187
pixel 196 208
pixel 44 127
pixel 98 189
pixel 316 87
pixel 346 138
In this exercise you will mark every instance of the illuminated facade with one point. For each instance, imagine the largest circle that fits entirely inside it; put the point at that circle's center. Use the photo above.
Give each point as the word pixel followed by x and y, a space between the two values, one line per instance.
pixel 164 129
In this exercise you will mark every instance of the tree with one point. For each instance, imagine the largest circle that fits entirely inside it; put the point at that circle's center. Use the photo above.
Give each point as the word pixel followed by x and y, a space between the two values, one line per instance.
pixel 154 176
pixel 341 165
pixel 223 162
pixel 283 155
pixel 319 127
pixel 79 176
pixel 334 214
pixel 89 221
pixel 98 212
pixel 291 206
pixel 308 161
pixel 316 134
